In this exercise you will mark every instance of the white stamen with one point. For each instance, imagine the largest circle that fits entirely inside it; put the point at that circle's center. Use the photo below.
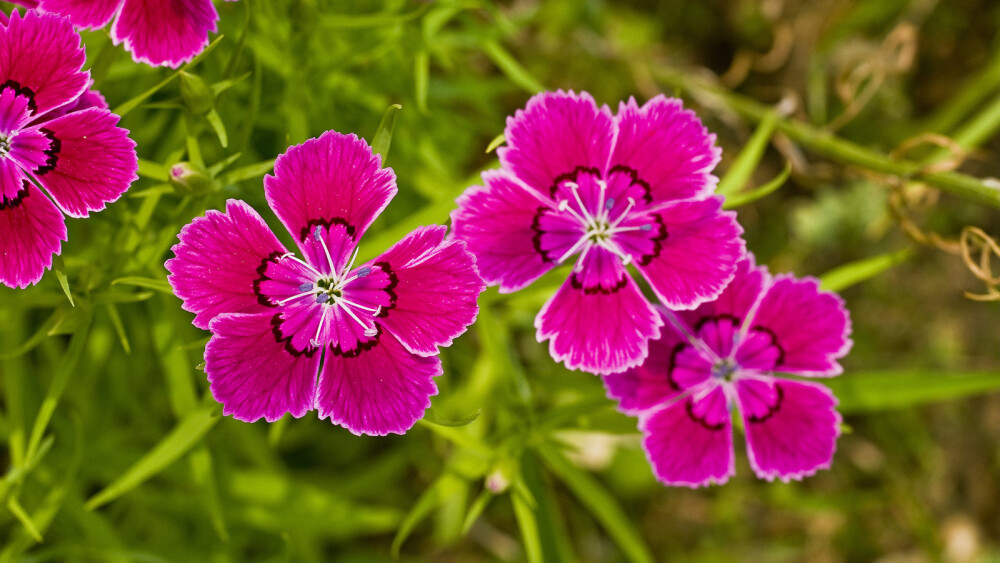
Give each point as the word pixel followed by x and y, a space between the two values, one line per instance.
pixel 351 314
pixel 329 259
pixel 588 218
pixel 351 263
pixel 564 206
pixel 616 222
pixel 300 261
pixel 303 294
pixel 616 250
pixel 374 310
pixel 572 250
pixel 322 319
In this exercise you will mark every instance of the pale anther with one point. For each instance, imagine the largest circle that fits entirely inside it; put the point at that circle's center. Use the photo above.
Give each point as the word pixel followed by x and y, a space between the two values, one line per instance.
pixel 322 298
pixel 305 287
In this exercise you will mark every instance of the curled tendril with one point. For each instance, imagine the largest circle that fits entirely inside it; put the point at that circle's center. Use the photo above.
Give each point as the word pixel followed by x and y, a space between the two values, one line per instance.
pixel 863 75
pixel 975 241
pixel 905 196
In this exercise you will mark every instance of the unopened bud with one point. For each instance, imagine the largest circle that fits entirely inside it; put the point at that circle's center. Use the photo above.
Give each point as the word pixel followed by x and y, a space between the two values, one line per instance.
pixel 197 95
pixel 189 180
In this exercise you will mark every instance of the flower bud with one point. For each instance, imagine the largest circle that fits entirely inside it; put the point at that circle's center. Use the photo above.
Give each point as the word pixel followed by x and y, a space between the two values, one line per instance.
pixel 189 180
pixel 197 95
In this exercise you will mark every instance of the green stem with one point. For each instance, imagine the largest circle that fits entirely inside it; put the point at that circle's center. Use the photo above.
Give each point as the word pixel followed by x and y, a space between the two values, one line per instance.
pixel 835 148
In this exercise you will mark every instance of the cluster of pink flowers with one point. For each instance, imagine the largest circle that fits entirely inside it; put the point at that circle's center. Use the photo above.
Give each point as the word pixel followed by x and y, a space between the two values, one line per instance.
pixel 359 343
pixel 635 188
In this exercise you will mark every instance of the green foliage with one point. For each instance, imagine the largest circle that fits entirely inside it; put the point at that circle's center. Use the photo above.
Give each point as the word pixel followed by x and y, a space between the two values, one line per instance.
pixel 114 449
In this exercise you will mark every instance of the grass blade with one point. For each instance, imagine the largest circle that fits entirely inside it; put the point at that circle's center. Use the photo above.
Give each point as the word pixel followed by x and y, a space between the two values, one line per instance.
pixel 852 273
pixel 861 392
pixel 746 162
pixel 178 442
pixel 148 283
pixel 736 200
pixel 601 504
pixel 383 136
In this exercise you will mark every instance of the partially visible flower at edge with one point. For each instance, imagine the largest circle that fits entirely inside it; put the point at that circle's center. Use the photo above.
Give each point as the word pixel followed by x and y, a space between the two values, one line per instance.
pixel 54 135
pixel 723 356
pixel 632 188
pixel 276 319
pixel 156 32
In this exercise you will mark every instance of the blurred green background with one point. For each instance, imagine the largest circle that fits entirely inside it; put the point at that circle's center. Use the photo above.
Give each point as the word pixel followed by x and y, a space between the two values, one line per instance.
pixel 115 451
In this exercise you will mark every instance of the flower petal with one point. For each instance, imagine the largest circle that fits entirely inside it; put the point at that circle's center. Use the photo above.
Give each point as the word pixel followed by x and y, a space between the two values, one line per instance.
pixel 796 434
pixel 556 133
pixel 810 326
pixel 378 390
pixel 498 222
pixel 83 13
pixel 650 384
pixel 334 179
pixel 219 260
pixel 600 329
pixel 42 52
pixel 435 291
pixel 668 147
pixel 163 33
pixel 686 450
pixel 92 161
pixel 740 296
pixel 253 374
pixel 698 256
pixel 31 232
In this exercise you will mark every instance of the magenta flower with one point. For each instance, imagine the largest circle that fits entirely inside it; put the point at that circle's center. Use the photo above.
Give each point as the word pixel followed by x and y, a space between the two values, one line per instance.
pixel 722 356
pixel 156 32
pixel 56 136
pixel 610 190
pixel 276 319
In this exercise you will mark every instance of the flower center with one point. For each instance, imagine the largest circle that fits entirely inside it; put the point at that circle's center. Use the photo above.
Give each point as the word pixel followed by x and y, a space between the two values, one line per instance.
pixel 724 370
pixel 4 145
pixel 599 227
pixel 331 293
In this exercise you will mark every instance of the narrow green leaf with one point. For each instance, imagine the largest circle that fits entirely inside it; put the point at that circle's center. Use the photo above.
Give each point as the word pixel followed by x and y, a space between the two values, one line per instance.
pixel 35 339
pixel 223 85
pixel 420 510
pixel 119 326
pixel 248 172
pixel 861 392
pixel 148 283
pixel 736 200
pixel 201 464
pixel 218 127
pixel 476 509
pixel 24 518
pixel 348 21
pixel 458 437
pixel 601 504
pixel 746 162
pixel 133 103
pixel 178 442
pixel 852 273
pixel 218 167
pixel 421 78
pixel 496 142
pixel 511 68
pixel 526 522
pixel 556 545
pixel 153 170
pixel 67 366
pixel 383 136
pixel 432 417
pixel 64 284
